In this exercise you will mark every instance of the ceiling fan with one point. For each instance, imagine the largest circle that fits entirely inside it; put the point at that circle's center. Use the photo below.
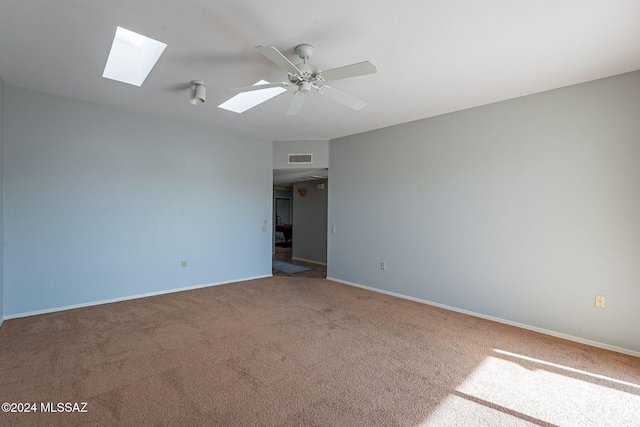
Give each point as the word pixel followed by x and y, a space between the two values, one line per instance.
pixel 307 76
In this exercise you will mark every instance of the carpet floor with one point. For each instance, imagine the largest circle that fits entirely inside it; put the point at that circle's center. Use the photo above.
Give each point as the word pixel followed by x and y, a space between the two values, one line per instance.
pixel 290 351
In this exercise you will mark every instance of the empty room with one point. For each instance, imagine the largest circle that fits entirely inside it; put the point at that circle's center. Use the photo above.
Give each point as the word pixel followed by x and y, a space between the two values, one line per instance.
pixel 243 213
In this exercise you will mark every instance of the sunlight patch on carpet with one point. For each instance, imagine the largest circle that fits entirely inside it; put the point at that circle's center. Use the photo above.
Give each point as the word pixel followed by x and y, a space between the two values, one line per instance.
pixel 577 371
pixel 512 389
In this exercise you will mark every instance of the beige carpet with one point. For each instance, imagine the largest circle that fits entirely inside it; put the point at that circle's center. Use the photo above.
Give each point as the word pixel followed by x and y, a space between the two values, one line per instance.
pixel 306 352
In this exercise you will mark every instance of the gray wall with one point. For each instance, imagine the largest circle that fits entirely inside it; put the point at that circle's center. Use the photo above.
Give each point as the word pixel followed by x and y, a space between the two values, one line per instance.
pixel 310 222
pixel 1 200
pixel 103 204
pixel 522 210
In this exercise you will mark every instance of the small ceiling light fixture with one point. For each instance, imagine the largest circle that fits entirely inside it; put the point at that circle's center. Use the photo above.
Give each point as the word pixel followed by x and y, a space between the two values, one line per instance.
pixel 198 92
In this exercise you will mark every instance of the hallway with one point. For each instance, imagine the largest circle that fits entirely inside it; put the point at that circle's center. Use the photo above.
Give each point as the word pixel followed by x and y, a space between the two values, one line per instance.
pixel 284 254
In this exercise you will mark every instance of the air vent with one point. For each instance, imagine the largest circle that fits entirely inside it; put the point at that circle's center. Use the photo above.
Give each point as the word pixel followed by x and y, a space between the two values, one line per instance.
pixel 301 158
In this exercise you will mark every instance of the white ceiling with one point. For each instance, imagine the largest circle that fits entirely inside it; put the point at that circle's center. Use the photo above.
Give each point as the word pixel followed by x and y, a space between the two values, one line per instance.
pixel 433 57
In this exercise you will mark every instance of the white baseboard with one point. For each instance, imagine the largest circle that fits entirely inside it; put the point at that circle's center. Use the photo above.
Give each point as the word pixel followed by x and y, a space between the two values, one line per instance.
pixel 497 319
pixel 309 260
pixel 109 301
pixel 1 321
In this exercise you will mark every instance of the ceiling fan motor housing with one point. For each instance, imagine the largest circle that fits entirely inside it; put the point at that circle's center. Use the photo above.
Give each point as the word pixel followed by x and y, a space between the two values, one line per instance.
pixel 308 73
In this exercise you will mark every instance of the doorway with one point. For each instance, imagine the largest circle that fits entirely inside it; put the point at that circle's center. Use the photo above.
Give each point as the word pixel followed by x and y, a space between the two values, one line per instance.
pixel 300 199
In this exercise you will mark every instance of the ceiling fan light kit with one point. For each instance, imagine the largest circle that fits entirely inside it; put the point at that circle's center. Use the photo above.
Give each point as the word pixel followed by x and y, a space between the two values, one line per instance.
pixel 307 76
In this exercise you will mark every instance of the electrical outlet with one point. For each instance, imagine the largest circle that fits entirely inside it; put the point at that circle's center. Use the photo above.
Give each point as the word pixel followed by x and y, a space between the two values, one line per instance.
pixel 383 265
pixel 601 301
pixel 184 263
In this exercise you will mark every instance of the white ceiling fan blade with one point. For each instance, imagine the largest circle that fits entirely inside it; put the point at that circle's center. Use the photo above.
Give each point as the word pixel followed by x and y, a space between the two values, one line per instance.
pixel 353 70
pixel 341 97
pixel 278 58
pixel 296 103
pixel 259 87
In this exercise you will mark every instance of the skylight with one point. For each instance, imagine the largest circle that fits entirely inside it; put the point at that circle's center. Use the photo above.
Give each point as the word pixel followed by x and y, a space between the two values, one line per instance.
pixel 246 100
pixel 132 57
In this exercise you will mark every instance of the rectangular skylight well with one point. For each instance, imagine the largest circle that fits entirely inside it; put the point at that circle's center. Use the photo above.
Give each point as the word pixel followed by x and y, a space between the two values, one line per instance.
pixel 246 100
pixel 132 57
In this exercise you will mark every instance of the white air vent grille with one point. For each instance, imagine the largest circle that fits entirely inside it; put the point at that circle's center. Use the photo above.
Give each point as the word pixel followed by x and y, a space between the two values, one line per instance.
pixel 301 158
